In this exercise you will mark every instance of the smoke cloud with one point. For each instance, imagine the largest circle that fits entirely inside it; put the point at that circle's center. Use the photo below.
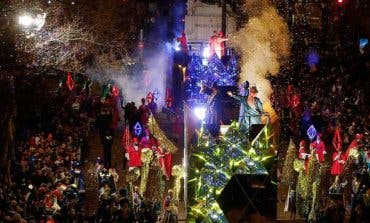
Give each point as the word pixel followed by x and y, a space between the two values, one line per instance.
pixel 136 84
pixel 263 44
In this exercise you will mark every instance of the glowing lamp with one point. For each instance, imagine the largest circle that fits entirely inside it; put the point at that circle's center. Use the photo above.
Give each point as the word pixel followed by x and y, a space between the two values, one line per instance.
pixel 200 113
pixel 25 20
pixel 177 48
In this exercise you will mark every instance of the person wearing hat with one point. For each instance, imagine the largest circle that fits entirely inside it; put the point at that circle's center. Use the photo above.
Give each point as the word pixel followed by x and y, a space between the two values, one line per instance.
pixel 303 155
pixel 133 153
pixel 214 109
pixel 319 147
pixel 354 146
pixel 165 160
pixel 339 158
pixel 253 109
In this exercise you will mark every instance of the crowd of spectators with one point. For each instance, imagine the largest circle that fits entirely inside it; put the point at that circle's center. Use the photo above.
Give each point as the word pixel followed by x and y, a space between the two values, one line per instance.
pixel 330 94
pixel 47 182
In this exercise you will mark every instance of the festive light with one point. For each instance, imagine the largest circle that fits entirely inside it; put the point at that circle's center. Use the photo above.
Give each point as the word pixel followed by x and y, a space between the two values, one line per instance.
pixel 206 53
pixel 27 21
pixel 137 129
pixel 213 165
pixel 200 113
pixel 311 132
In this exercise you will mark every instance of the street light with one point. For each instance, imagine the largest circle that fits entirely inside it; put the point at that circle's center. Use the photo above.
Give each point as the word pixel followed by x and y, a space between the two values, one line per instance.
pixel 25 20
pixel 34 23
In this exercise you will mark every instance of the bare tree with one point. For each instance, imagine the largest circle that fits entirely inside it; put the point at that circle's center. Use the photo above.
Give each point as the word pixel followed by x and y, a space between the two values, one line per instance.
pixel 74 39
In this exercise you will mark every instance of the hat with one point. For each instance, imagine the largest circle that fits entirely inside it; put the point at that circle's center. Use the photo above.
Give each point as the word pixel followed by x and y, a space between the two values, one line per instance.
pixel 136 141
pixel 253 89
pixel 359 136
pixel 302 143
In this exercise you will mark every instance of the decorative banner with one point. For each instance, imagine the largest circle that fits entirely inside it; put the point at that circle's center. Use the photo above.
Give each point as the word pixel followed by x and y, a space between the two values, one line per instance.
pixel 70 82
pixel 146 158
pixel 138 129
pixel 311 132
pixel 126 139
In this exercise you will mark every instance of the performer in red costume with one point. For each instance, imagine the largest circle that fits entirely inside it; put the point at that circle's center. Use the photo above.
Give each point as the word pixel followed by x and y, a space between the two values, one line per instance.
pixel 148 141
pixel 212 42
pixel 319 147
pixel 302 154
pixel 133 155
pixel 220 44
pixel 355 144
pixel 183 43
pixel 165 160
pixel 338 157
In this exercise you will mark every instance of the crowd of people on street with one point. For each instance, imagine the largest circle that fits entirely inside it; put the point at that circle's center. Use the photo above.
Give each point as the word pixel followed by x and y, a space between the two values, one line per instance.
pixel 324 107
pixel 48 182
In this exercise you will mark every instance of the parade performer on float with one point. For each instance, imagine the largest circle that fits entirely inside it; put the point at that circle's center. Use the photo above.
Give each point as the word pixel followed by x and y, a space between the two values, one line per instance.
pixel 165 160
pixel 212 42
pixel 183 43
pixel 214 109
pixel 319 147
pixel 133 153
pixel 148 141
pixel 303 155
pixel 354 146
pixel 253 109
pixel 220 45
pixel 338 157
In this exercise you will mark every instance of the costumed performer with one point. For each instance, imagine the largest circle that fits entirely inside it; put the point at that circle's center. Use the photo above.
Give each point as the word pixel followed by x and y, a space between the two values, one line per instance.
pixel 319 147
pixel 214 109
pixel 165 160
pixel 354 147
pixel 338 157
pixel 148 141
pixel 303 155
pixel 253 109
pixel 133 153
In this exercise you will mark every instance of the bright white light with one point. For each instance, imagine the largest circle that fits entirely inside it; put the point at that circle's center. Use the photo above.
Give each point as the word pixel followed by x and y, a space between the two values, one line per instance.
pixel 39 21
pixel 25 20
pixel 177 48
pixel 224 128
pixel 200 113
pixel 28 21
pixel 206 52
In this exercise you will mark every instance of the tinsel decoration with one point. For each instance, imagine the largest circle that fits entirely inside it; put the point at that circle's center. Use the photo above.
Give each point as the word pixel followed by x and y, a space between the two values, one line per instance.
pixel 214 71
pixel 289 175
pixel 212 166
pixel 178 174
pixel 133 175
pixel 146 158
pixel 158 133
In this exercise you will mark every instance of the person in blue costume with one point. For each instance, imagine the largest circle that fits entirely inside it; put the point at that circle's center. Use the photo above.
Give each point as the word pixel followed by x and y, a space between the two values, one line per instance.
pixel 214 109
pixel 252 109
